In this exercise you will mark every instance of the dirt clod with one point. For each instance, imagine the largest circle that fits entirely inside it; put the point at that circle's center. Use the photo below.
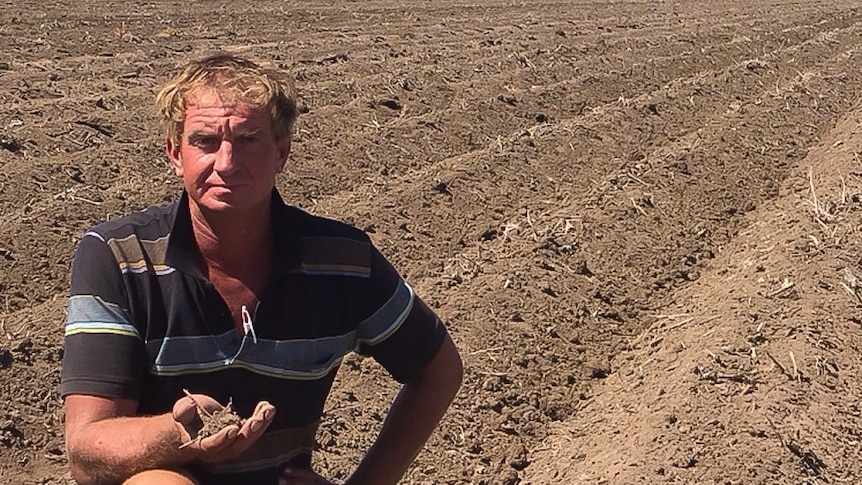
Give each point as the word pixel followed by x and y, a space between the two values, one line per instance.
pixel 5 358
pixel 212 421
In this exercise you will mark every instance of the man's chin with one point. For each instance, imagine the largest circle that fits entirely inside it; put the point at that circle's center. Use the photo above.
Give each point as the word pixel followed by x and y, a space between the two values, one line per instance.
pixel 227 203
pixel 223 206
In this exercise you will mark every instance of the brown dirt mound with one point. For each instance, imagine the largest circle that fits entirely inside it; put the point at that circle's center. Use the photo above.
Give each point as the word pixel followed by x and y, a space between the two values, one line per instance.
pixel 751 375
pixel 605 200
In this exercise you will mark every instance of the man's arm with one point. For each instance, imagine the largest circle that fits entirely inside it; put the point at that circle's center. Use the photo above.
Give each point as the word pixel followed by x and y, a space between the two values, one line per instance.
pixel 106 443
pixel 412 418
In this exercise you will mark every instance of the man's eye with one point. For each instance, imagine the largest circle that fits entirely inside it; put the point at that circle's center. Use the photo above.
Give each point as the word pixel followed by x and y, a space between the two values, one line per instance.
pixel 205 143
pixel 246 139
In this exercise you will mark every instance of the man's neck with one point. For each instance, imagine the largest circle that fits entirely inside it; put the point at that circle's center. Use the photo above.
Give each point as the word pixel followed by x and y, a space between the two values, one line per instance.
pixel 232 242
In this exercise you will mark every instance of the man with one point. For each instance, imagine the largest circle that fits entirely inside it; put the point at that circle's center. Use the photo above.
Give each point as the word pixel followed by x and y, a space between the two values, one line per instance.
pixel 235 296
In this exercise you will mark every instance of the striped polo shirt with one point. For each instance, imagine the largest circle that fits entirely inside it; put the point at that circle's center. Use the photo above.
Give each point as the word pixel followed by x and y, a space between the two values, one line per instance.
pixel 144 323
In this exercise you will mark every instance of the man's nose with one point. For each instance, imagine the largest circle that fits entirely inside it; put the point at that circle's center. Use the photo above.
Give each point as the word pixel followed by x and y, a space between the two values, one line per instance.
pixel 224 161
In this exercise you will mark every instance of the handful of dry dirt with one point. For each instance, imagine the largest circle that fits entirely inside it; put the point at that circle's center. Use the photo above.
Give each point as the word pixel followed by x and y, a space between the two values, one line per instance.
pixel 212 421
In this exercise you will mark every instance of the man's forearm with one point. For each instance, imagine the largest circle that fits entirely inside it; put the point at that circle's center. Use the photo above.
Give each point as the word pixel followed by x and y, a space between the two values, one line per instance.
pixel 412 418
pixel 111 450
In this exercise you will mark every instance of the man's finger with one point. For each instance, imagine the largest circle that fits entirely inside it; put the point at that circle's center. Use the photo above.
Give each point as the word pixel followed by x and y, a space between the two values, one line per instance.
pixel 237 440
pixel 264 410
pixel 257 423
pixel 184 411
pixel 186 408
pixel 220 440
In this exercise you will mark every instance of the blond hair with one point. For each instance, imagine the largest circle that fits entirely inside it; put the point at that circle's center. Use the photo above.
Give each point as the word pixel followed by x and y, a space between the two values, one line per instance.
pixel 235 80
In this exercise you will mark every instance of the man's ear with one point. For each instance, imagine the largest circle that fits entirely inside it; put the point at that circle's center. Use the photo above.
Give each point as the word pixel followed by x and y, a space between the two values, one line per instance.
pixel 283 152
pixel 175 156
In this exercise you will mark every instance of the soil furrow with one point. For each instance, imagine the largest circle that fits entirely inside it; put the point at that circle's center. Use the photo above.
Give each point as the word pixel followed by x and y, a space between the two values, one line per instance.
pixel 600 298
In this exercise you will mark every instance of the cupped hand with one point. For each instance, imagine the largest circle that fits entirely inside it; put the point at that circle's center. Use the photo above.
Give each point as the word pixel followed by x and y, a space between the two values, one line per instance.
pixel 229 441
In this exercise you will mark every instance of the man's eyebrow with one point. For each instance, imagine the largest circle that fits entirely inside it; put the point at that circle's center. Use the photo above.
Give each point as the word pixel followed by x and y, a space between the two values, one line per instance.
pixel 247 131
pixel 239 131
pixel 198 134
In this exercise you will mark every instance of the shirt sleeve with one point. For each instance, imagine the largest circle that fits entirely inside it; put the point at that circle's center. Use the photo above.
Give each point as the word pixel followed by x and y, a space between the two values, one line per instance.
pixel 104 353
pixel 403 334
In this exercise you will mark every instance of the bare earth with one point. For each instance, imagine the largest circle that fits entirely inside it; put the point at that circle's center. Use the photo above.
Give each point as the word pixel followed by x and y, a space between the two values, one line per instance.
pixel 641 219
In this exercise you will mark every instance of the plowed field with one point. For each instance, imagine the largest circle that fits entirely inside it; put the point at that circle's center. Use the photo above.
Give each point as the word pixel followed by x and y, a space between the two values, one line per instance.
pixel 641 220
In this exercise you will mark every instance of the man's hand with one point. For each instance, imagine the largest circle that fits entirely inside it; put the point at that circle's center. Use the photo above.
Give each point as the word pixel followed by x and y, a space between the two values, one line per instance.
pixel 299 476
pixel 229 441
pixel 107 443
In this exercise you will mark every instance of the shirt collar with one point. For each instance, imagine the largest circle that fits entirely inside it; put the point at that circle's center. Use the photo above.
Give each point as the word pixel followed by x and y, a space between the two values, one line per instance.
pixel 183 254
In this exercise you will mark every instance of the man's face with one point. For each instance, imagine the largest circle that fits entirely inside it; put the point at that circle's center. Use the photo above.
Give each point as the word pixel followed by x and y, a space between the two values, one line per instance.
pixel 228 156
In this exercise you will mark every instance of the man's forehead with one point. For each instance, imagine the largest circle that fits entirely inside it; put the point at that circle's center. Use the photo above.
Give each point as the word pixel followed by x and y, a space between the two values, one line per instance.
pixel 213 112
pixel 210 98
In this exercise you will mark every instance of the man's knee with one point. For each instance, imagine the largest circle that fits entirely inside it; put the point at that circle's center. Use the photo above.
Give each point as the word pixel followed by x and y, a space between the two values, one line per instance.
pixel 160 477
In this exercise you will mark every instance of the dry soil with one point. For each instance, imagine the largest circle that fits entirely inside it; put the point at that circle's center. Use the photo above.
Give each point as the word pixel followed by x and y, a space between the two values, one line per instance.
pixel 640 219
